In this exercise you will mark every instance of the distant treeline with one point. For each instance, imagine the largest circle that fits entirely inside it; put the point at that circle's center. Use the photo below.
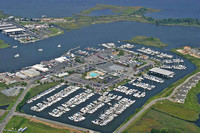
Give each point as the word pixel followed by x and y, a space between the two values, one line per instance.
pixel 174 21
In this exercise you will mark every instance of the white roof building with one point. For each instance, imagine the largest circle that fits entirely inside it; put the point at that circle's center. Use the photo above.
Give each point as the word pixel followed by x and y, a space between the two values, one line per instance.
pixel 162 72
pixel 61 59
pixel 40 67
pixel 20 75
pixel 62 74
pixel 30 72
pixel 13 30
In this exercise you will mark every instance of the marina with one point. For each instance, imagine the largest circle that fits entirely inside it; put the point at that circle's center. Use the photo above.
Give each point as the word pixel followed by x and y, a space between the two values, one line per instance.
pixel 78 106
pixel 103 112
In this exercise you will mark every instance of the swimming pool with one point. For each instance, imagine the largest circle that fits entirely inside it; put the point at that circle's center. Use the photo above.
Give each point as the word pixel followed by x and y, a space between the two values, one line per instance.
pixel 93 74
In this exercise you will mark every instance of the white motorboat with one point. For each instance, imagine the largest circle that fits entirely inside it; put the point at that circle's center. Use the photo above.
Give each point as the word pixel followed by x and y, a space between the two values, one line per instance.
pixel 17 55
pixel 40 50
pixel 59 46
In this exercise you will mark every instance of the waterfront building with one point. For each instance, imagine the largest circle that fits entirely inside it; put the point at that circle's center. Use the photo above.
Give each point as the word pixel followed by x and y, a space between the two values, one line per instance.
pixel 162 72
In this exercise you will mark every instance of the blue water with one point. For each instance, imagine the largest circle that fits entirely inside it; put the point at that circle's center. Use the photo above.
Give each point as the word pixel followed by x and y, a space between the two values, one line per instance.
pixel 175 36
pixel 93 74
pixel 62 8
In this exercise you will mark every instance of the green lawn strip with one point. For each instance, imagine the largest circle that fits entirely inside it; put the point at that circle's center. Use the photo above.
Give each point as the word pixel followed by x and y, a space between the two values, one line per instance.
pixel 40 88
pixel 35 91
pixel 17 122
pixel 3 44
pixel 153 119
pixel 148 41
pixel 55 31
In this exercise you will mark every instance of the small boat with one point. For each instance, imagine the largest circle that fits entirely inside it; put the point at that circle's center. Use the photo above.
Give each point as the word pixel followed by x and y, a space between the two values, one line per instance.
pixel 17 55
pixel 40 50
pixel 15 46
pixel 59 46
pixel 118 41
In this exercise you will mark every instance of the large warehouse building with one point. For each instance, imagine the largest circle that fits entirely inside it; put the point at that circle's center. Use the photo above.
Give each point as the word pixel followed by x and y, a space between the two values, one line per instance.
pixel 162 72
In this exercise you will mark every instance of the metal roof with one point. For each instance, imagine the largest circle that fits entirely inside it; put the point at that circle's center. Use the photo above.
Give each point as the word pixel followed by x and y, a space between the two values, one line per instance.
pixel 14 30
pixel 161 71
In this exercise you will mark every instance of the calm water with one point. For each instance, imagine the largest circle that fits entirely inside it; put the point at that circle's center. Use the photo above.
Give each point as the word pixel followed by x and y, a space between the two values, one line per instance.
pixel 175 36
pixel 62 8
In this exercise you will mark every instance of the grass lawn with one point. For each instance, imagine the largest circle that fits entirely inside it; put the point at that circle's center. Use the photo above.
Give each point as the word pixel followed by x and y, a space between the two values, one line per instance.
pixel 153 119
pixel 148 41
pixel 40 88
pixel 190 110
pixel 3 44
pixel 35 91
pixel 55 31
pixel 35 126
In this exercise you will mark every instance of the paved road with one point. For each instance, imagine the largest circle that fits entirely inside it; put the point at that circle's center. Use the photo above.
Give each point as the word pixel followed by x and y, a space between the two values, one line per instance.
pixel 152 103
pixel 10 114
pixel 29 85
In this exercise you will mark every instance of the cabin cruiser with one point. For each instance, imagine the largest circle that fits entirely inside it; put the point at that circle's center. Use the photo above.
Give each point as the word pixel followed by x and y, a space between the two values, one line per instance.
pixel 59 46
pixel 40 50
pixel 17 55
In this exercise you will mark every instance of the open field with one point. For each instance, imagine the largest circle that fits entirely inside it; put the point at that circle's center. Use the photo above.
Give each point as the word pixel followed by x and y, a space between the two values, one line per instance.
pixel 35 126
pixel 40 88
pixel 148 41
pixel 153 119
pixel 3 44
pixel 55 31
